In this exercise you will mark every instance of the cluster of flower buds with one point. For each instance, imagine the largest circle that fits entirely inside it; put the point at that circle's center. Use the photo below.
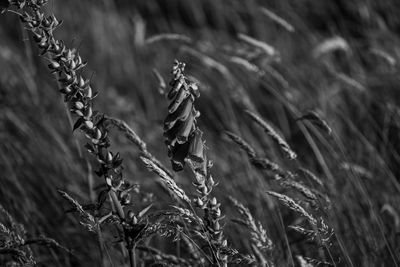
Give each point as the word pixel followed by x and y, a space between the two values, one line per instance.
pixel 66 64
pixel 183 138
pixel 214 226
pixel 213 216
pixel 133 228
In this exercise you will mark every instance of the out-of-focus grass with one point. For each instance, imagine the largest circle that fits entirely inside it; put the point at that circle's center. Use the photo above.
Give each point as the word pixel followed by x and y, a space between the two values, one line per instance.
pixel 354 89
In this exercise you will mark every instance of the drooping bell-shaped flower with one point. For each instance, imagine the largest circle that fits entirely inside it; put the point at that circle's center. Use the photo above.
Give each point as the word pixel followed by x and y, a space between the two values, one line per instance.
pixel 181 114
pixel 178 155
pixel 196 148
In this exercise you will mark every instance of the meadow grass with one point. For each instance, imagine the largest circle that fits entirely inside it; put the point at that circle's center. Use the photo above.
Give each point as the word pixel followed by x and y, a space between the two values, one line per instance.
pixel 275 145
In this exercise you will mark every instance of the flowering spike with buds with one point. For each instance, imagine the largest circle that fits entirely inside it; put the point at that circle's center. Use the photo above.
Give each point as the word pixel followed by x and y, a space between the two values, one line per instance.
pixel 186 145
pixel 65 64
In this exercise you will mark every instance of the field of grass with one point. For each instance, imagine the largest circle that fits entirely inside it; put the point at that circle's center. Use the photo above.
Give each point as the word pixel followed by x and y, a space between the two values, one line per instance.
pixel 300 113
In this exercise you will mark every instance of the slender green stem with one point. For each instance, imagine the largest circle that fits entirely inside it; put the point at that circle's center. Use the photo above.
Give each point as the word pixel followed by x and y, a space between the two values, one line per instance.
pixel 101 245
pixel 117 204
pixel 132 257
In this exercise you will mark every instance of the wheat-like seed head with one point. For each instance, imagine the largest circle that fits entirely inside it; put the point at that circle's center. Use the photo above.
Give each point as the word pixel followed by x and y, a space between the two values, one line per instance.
pixel 273 134
pixel 166 179
pixel 258 234
pixel 291 204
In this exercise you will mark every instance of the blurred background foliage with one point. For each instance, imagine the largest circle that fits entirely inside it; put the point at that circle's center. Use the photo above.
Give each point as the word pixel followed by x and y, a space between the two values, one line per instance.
pixel 354 87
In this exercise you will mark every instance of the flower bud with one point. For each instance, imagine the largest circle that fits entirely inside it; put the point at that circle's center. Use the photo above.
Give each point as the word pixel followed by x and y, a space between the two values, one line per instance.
pixel 78 112
pixel 73 64
pixel 204 190
pixel 199 202
pixel 109 156
pixel 54 65
pixel 79 105
pixel 218 212
pixel 81 81
pixel 97 134
pixel 67 89
pixel 213 201
pixel 108 181
pixel 89 92
pixel 79 60
pixel 89 124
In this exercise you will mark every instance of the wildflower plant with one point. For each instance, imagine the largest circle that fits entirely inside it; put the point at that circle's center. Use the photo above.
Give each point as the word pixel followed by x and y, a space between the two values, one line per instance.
pixel 186 145
pixel 66 64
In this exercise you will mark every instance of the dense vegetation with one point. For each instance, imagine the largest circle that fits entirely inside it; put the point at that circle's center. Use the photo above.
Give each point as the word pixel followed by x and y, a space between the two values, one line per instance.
pixel 296 101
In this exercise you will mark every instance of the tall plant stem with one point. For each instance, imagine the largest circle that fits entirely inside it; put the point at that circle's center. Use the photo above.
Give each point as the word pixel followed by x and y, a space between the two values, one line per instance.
pixel 132 256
